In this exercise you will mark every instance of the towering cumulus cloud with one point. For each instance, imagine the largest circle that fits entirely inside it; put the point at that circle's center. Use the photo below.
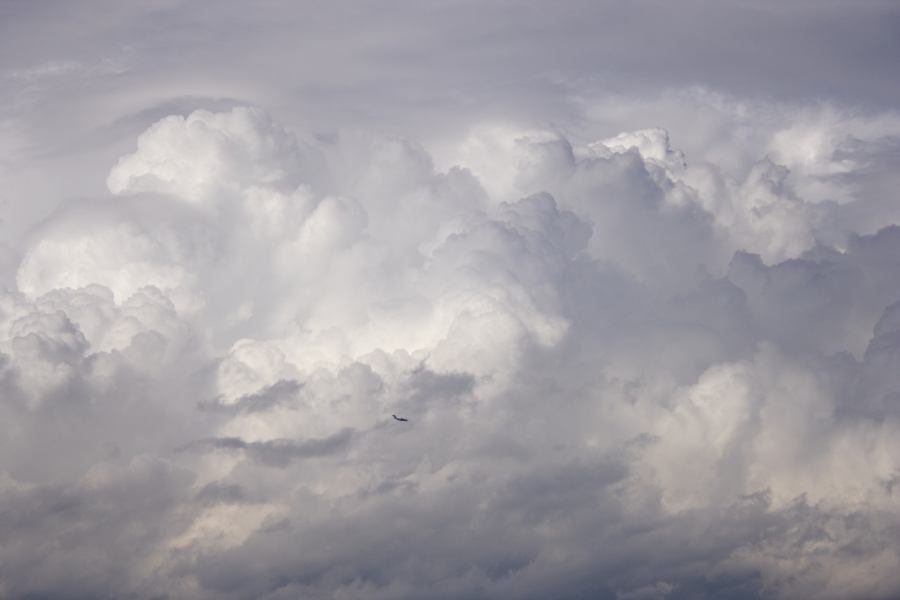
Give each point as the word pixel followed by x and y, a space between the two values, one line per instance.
pixel 650 351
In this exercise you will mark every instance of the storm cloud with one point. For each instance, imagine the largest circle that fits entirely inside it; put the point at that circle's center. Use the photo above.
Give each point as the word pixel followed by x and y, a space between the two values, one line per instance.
pixel 630 270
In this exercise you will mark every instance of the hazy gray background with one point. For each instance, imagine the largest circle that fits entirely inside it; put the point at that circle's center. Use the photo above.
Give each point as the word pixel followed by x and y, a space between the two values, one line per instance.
pixel 630 269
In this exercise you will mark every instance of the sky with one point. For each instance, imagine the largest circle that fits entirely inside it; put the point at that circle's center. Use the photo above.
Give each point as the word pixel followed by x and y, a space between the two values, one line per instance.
pixel 631 270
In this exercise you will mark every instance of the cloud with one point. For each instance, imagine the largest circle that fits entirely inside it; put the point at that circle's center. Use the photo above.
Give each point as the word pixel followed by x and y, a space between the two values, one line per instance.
pixel 279 453
pixel 602 357
pixel 646 334
pixel 204 154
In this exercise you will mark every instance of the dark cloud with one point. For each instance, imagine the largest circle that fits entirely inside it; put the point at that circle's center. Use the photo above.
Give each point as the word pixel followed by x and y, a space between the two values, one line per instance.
pixel 280 453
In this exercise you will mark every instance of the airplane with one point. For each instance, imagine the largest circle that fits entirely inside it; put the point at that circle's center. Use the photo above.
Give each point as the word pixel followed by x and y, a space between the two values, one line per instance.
pixel 399 418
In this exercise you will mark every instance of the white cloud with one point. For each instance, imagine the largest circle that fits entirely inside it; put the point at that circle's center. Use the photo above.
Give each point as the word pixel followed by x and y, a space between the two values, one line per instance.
pixel 646 340
pixel 206 155
pixel 593 324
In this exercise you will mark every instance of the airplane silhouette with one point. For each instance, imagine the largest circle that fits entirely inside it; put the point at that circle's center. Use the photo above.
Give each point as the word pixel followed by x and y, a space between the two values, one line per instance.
pixel 399 418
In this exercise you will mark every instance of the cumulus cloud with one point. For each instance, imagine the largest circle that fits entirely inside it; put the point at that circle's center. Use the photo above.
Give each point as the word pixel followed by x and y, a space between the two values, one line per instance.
pixel 638 360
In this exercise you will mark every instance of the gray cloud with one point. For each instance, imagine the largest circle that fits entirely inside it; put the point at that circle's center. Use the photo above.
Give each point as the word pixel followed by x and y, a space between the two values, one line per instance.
pixel 630 271
pixel 279 453
pixel 280 392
